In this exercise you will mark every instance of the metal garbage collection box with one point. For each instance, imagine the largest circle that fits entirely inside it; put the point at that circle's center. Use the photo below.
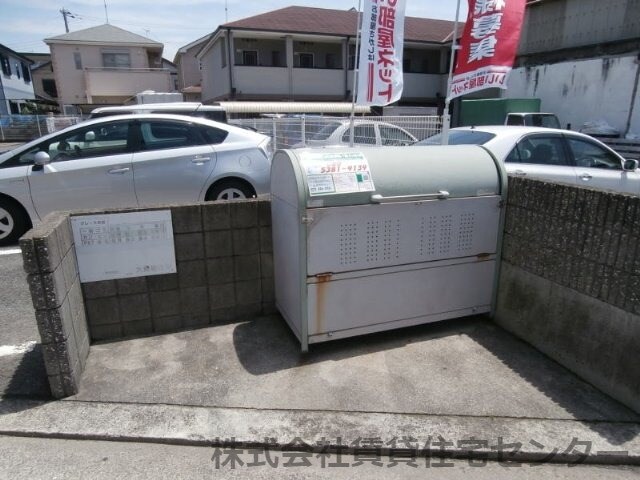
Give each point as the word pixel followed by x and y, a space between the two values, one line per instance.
pixel 373 239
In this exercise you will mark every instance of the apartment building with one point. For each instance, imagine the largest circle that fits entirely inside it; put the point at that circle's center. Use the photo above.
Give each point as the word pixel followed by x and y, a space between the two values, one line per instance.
pixel 106 65
pixel 308 54
pixel 16 87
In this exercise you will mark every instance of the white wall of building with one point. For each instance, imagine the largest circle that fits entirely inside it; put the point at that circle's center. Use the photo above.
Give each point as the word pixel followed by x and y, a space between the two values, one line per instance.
pixel 580 91
pixel 14 86
pixel 215 77
pixel 261 80
pixel 71 81
pixel 308 81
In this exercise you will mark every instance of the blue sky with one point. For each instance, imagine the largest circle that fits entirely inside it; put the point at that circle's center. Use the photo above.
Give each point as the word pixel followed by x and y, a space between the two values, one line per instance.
pixel 173 22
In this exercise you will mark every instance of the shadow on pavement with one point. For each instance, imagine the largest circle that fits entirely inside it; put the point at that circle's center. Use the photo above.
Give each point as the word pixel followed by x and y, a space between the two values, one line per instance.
pixel 264 347
pixel 562 386
pixel 24 375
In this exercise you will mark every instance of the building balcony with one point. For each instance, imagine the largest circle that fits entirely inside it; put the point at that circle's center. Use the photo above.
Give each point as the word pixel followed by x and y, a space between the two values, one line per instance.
pixel 424 85
pixel 318 81
pixel 126 82
pixel 252 80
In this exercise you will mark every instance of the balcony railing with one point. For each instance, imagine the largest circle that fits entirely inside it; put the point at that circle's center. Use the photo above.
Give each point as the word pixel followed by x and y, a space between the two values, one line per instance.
pixel 107 81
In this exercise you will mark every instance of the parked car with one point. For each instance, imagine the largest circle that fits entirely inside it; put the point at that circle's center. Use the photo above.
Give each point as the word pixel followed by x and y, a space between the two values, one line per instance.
pixel 124 161
pixel 551 154
pixel 192 109
pixel 336 132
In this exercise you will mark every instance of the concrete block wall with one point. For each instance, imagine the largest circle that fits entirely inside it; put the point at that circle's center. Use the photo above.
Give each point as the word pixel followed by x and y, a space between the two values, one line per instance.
pixel 52 273
pixel 224 273
pixel 570 280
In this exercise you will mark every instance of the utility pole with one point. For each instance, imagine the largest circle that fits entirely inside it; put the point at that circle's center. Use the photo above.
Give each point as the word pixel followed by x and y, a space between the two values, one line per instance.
pixel 66 13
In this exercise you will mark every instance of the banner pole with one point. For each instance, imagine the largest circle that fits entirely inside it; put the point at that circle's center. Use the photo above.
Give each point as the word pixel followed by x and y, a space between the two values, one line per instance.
pixel 446 118
pixel 356 70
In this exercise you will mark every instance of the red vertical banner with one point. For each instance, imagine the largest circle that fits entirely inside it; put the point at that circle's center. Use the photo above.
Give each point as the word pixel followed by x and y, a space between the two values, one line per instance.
pixel 488 46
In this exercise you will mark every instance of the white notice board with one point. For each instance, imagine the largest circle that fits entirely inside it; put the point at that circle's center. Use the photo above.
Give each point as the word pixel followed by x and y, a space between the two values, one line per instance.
pixel 334 173
pixel 124 245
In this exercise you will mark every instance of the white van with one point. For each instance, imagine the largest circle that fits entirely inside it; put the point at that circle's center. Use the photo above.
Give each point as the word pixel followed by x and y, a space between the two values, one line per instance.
pixel 193 109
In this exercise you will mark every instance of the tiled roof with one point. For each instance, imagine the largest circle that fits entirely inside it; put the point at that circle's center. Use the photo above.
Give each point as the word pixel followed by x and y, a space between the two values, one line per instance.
pixel 104 34
pixel 325 21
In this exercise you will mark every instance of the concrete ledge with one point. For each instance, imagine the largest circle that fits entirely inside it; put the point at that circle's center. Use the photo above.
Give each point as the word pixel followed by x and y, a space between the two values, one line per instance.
pixel 595 340
pixel 302 430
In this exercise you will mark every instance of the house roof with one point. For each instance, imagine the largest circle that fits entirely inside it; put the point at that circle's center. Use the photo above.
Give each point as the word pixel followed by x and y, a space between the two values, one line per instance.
pixel 326 21
pixel 104 34
pixel 15 54
pixel 39 59
pixel 200 41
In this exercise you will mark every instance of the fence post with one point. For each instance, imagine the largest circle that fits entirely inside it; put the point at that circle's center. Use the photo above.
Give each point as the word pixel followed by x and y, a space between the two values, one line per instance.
pixel 304 130
pixel 38 122
pixel 274 133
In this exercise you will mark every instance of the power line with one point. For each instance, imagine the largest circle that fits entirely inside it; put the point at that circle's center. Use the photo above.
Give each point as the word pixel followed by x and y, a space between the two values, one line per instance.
pixel 66 13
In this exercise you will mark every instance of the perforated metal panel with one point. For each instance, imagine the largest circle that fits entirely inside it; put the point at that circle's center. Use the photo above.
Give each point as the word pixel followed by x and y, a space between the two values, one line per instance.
pixel 419 244
pixel 371 236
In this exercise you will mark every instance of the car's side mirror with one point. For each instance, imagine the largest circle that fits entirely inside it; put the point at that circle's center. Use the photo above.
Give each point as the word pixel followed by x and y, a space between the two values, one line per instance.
pixel 89 136
pixel 630 165
pixel 41 158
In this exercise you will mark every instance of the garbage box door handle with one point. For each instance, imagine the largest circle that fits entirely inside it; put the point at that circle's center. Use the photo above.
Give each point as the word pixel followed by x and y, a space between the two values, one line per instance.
pixel 441 194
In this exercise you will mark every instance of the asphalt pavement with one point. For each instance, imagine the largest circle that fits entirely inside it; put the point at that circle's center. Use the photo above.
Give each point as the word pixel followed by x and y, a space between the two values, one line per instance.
pixel 247 382
pixel 38 458
pixel 21 365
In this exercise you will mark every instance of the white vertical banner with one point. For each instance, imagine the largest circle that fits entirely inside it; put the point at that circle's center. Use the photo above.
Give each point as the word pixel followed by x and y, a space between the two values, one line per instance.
pixel 381 45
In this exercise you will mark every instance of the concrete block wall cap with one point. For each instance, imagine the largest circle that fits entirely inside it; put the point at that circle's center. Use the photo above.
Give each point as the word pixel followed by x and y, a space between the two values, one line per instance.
pixel 187 218
pixel 611 443
pixel 29 256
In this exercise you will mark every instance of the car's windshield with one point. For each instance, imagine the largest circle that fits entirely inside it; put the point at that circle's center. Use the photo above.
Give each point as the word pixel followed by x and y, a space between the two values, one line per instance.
pixel 459 137
pixel 326 131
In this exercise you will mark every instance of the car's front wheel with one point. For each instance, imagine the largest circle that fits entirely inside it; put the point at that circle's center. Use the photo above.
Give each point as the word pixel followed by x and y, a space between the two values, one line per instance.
pixel 13 222
pixel 230 190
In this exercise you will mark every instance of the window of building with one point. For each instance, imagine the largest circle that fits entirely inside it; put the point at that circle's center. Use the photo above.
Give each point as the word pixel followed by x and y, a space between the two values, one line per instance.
pixel 77 58
pixel 331 60
pixel 353 60
pixel 26 74
pixel 306 60
pixel 116 60
pixel 49 87
pixel 250 57
pixel 276 58
pixel 406 65
pixel 6 66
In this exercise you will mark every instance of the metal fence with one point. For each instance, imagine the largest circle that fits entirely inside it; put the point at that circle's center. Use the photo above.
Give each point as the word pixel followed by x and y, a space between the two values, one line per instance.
pixel 305 130
pixel 22 128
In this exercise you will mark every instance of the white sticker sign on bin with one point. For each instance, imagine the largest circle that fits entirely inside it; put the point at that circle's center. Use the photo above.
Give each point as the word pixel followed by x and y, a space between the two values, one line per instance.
pixel 335 173
pixel 124 245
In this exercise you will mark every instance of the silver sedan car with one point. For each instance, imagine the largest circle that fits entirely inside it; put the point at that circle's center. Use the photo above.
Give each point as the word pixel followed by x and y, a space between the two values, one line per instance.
pixel 129 160
pixel 551 154
pixel 337 133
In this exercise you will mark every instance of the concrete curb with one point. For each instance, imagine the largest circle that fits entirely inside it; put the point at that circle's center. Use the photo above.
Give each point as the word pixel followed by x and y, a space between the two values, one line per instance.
pixel 540 440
